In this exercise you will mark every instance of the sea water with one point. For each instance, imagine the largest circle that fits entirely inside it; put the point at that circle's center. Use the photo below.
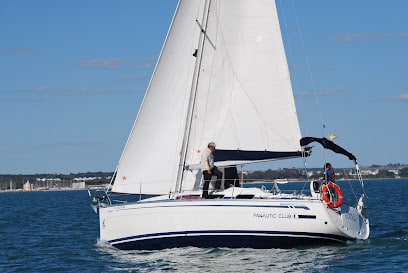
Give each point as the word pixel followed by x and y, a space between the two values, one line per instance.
pixel 58 232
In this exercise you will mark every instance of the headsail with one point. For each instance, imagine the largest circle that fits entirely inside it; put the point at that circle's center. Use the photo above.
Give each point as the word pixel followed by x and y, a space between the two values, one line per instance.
pixel 149 162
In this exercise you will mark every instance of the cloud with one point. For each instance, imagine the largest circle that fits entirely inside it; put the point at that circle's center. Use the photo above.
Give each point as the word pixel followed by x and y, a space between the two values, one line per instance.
pixel 67 91
pixel 366 36
pixel 101 63
pixel 79 91
pixel 323 92
pixel 402 97
pixel 145 64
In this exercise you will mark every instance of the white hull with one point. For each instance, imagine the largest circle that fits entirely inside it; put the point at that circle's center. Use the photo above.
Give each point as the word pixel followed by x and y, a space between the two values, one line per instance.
pixel 222 76
pixel 256 223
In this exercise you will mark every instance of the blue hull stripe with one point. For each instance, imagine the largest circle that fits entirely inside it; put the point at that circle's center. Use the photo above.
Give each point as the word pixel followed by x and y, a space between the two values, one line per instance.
pixel 224 238
pixel 219 205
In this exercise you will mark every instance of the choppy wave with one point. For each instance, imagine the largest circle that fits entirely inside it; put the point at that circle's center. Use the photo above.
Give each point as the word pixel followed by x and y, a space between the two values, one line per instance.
pixel 57 232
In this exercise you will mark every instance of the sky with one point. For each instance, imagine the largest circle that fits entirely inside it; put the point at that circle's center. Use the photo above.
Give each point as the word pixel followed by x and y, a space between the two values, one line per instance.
pixel 73 75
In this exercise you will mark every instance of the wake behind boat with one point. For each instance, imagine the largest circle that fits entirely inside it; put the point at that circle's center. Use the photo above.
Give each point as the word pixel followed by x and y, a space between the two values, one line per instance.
pixel 222 76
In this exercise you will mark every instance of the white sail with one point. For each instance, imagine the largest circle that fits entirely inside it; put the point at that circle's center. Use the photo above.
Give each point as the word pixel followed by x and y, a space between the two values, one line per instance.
pixel 243 101
pixel 244 98
pixel 149 162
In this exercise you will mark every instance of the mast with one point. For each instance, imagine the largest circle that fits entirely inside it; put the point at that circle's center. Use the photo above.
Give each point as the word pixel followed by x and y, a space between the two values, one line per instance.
pixel 198 54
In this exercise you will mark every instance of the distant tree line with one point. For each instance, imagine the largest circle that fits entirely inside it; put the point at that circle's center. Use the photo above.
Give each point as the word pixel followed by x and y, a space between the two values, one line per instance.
pixel 403 172
pixel 300 174
pixel 275 174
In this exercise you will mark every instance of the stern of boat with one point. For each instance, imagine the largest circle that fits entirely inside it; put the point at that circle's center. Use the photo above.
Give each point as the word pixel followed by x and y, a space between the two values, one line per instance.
pixel 350 222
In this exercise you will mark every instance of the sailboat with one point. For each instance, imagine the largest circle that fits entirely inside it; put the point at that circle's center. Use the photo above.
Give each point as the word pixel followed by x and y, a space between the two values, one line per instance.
pixel 222 76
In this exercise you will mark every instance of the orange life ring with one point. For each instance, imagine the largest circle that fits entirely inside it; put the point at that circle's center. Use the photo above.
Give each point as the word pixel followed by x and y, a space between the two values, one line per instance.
pixel 332 195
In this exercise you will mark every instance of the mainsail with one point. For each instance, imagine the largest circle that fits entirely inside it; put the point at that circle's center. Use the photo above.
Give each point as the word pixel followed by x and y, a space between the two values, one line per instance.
pixel 227 58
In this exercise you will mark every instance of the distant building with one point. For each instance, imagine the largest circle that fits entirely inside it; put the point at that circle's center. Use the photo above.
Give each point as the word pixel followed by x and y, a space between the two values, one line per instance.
pixel 78 185
pixel 370 172
pixel 396 172
pixel 27 186
pixel 85 178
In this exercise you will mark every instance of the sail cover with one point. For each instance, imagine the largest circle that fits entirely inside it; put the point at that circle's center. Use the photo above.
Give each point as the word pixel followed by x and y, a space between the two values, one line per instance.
pixel 328 144
pixel 239 82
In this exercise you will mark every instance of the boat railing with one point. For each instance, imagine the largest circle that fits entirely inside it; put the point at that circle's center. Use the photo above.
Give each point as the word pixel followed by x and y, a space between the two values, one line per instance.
pixel 272 187
pixel 278 186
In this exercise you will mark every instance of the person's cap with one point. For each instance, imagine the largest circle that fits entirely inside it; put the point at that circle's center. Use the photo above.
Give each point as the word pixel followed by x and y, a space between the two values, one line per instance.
pixel 211 144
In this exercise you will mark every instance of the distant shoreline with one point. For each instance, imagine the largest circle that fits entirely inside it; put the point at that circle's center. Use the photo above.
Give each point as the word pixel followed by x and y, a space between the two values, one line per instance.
pixel 94 187
pixel 48 190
